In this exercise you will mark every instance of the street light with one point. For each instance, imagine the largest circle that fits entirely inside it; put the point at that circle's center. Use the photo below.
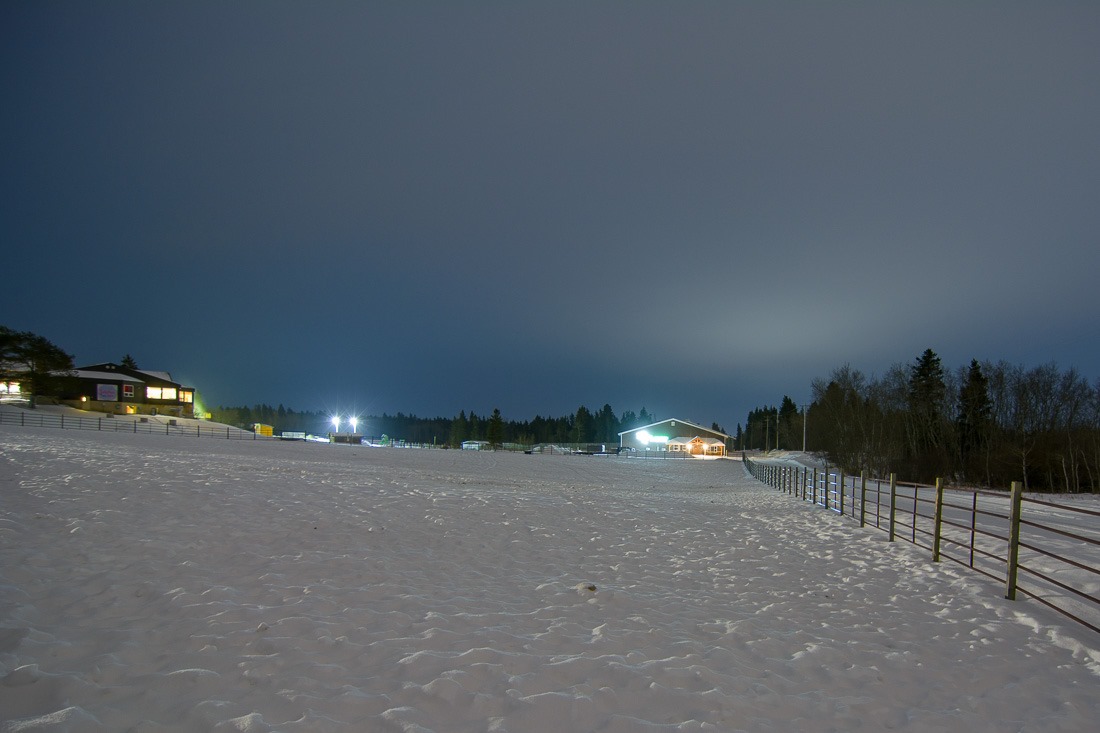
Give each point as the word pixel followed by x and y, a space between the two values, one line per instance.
pixel 354 422
pixel 335 423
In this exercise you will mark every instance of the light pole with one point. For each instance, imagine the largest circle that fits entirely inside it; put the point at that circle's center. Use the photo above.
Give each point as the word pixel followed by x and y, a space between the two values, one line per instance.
pixel 354 422
pixel 335 423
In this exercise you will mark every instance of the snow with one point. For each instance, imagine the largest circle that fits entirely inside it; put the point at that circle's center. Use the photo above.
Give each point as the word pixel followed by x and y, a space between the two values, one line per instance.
pixel 161 583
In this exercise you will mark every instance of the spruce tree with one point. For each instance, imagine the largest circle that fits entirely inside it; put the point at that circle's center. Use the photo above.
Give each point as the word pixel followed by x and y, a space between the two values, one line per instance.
pixel 927 395
pixel 495 431
pixel 974 419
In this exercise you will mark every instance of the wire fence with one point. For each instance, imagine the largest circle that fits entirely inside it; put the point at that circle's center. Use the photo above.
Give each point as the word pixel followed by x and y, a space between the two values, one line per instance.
pixel 1048 551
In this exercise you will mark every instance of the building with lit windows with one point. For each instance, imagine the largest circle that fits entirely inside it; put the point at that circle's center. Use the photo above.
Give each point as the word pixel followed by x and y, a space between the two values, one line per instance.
pixel 121 390
pixel 676 437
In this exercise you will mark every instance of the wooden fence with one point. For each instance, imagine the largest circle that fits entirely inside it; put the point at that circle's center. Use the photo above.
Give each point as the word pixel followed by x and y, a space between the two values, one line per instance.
pixel 129 424
pixel 1048 551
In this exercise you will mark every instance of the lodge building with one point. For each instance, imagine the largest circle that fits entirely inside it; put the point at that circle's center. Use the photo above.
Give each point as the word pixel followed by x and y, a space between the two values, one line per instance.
pixel 120 390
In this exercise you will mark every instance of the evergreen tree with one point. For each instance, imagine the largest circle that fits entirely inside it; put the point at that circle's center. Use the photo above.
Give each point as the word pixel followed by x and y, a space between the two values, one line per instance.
pixel 495 431
pixel 460 429
pixel 40 367
pixel 607 425
pixel 788 414
pixel 973 420
pixel 128 362
pixel 927 394
pixel 582 426
pixel 629 421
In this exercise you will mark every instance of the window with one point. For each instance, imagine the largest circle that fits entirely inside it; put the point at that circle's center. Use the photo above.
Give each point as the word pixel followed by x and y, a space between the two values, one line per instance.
pixel 187 396
pixel 160 393
pixel 128 391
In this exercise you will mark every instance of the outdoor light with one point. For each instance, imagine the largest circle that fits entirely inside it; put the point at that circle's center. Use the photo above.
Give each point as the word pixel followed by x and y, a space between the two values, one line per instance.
pixel 335 423
pixel 354 422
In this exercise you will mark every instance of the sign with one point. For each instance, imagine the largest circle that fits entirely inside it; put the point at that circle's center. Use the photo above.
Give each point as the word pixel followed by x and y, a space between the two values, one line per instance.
pixel 106 392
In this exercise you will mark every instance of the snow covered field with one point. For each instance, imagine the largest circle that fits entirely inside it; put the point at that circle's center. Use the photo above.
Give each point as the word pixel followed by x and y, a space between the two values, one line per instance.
pixel 154 583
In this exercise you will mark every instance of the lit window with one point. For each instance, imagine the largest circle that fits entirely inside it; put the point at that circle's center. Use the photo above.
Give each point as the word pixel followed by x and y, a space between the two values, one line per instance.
pixel 160 393
pixel 187 396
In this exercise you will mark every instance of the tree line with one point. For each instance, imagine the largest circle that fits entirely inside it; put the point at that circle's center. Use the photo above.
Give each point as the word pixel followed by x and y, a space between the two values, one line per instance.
pixel 583 426
pixel 985 424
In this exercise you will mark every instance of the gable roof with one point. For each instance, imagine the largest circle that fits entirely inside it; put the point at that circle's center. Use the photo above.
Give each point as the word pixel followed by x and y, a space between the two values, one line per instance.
pixel 95 374
pixel 678 422
pixel 110 370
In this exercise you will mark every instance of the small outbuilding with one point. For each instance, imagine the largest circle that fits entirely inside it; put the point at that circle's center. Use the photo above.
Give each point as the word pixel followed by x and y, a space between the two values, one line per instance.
pixel 676 436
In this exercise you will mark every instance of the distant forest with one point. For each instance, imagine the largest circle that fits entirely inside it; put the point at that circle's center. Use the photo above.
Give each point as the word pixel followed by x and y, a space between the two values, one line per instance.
pixel 583 426
pixel 986 424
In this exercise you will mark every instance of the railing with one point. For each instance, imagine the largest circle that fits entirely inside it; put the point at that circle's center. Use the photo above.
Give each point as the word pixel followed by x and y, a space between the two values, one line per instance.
pixel 130 424
pixel 1047 551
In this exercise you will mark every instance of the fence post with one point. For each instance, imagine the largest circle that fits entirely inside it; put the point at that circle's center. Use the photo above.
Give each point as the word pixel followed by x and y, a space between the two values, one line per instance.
pixel 841 487
pixel 1014 540
pixel 893 502
pixel 938 533
pixel 813 488
pixel 862 498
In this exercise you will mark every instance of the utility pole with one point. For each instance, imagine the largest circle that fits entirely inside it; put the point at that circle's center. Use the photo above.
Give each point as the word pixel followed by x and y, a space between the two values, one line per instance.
pixel 804 412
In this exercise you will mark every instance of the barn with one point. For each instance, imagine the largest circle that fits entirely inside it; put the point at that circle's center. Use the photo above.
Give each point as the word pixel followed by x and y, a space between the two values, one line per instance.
pixel 676 436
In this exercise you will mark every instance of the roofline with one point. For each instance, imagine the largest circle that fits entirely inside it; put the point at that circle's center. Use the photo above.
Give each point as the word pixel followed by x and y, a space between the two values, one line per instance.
pixel 675 419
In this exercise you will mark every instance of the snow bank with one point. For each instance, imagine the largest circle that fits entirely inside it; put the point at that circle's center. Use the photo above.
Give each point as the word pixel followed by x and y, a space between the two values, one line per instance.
pixel 150 583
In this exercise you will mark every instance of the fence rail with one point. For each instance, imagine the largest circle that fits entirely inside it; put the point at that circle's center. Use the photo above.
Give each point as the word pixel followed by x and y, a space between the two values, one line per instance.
pixel 1045 550
pixel 138 424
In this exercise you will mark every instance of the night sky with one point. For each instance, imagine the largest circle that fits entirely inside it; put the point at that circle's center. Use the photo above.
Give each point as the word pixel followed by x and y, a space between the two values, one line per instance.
pixel 427 207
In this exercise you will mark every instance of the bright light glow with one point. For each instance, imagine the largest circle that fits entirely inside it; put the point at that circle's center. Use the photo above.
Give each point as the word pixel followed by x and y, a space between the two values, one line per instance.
pixel 646 438
pixel 354 422
pixel 335 423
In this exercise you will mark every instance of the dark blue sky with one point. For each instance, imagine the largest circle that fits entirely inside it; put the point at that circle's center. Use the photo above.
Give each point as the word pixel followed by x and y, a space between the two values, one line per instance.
pixel 695 207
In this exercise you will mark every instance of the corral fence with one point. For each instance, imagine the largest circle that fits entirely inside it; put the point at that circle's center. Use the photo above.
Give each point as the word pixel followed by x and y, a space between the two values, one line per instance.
pixel 131 424
pixel 1045 550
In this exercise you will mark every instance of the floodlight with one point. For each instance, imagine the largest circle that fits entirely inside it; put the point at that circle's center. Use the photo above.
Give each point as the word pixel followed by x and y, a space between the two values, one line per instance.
pixel 336 423
pixel 354 422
